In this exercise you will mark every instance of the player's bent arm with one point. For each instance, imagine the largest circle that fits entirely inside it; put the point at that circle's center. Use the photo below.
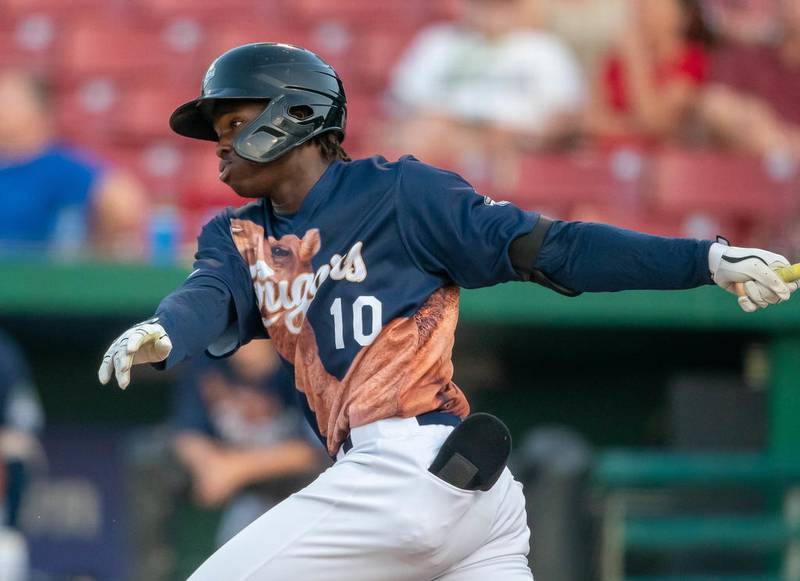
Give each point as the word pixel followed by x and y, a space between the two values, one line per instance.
pixel 195 316
pixel 215 310
pixel 584 257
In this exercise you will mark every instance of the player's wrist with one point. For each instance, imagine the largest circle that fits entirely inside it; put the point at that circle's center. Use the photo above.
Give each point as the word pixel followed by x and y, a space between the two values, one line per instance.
pixel 715 254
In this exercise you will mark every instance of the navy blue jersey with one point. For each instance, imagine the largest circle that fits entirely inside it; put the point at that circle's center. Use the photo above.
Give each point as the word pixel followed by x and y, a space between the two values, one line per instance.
pixel 358 290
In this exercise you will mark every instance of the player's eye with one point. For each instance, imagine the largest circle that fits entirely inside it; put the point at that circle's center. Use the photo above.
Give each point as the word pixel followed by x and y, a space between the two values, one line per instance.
pixel 279 252
pixel 236 123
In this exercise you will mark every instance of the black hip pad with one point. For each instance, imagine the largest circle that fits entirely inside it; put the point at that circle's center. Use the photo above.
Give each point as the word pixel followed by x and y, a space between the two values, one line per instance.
pixel 474 454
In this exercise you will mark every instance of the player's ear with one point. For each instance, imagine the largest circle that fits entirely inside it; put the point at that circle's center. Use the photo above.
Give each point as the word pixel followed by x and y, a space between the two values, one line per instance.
pixel 309 245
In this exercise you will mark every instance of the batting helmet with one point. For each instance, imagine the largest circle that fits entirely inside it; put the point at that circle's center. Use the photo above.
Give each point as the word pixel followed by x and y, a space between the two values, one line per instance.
pixel 305 98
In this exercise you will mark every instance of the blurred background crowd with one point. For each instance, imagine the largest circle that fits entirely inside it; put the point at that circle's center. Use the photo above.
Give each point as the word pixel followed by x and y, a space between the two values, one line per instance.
pixel 674 117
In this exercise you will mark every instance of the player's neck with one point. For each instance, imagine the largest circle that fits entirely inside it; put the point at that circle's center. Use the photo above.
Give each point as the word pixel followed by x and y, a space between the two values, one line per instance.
pixel 287 195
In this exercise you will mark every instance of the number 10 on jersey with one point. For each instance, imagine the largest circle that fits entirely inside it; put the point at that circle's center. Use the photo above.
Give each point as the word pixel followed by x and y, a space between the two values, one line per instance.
pixel 363 306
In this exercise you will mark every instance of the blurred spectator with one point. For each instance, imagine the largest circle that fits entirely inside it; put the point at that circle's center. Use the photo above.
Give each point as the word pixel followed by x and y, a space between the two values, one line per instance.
pixel 53 197
pixel 752 104
pixel 747 21
pixel 241 436
pixel 645 92
pixel 588 26
pixel 485 84
pixel 20 419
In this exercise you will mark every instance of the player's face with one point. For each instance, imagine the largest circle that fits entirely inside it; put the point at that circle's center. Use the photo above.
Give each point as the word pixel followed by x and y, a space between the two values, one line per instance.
pixel 248 179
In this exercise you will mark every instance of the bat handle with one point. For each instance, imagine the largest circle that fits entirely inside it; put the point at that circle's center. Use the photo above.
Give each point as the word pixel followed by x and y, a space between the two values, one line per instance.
pixel 787 273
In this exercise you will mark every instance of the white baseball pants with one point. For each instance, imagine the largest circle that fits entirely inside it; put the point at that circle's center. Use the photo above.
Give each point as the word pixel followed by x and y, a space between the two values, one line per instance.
pixel 378 514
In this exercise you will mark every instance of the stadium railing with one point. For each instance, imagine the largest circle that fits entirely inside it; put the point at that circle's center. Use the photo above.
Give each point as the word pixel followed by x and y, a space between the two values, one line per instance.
pixel 653 527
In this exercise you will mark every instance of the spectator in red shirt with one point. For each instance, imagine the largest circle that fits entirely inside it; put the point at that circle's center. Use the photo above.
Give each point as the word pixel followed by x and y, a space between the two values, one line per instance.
pixel 645 91
pixel 753 103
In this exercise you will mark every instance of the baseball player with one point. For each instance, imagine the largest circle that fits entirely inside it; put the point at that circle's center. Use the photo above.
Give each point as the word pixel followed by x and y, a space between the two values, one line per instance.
pixel 353 270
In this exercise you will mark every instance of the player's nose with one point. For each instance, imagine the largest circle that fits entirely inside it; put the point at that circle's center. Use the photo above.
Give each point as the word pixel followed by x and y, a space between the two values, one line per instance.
pixel 223 149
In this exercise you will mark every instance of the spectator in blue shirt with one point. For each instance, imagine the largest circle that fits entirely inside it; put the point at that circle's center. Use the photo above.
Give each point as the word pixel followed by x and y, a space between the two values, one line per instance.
pixel 53 197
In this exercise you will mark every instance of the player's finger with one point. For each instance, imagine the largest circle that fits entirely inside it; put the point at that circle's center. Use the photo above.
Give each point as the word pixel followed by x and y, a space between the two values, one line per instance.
pixel 762 293
pixel 106 368
pixel 770 279
pixel 746 304
pixel 753 290
pixel 163 347
pixel 107 364
pixel 122 366
pixel 136 337
pixel 792 286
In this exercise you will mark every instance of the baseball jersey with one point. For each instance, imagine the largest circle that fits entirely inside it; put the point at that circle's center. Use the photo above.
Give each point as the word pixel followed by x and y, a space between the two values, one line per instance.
pixel 359 289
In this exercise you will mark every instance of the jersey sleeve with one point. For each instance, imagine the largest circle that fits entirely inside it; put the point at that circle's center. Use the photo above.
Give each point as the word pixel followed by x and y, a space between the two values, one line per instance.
pixel 588 257
pixel 215 309
pixel 451 231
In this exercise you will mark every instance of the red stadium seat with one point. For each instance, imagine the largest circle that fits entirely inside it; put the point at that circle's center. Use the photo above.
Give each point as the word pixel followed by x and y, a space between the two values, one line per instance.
pixel 720 185
pixel 30 41
pixel 211 10
pixel 146 111
pixel 374 14
pixel 91 48
pixel 376 52
pixel 60 7
pixel 653 222
pixel 200 185
pixel 587 178
pixel 107 110
pixel 86 112
pixel 225 37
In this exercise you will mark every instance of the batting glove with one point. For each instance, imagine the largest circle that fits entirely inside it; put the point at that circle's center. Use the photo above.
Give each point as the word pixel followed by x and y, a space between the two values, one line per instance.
pixel 145 342
pixel 752 271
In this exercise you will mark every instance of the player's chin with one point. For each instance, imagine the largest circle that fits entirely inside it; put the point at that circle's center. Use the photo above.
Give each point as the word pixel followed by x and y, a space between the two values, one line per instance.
pixel 246 189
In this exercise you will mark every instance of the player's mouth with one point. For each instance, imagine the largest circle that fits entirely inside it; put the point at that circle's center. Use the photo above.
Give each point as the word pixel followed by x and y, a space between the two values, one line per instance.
pixel 224 170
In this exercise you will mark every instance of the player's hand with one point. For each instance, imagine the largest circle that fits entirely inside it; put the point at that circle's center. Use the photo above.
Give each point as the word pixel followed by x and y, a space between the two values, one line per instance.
pixel 145 342
pixel 752 271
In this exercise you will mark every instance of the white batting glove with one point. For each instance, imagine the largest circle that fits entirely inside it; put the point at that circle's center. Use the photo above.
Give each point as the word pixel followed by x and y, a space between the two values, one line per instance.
pixel 145 342
pixel 752 270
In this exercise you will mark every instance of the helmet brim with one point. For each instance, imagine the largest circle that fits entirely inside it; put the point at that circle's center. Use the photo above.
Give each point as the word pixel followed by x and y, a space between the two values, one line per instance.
pixel 191 121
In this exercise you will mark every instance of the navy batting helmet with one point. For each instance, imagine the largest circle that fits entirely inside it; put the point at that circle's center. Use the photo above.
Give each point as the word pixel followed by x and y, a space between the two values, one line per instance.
pixel 305 98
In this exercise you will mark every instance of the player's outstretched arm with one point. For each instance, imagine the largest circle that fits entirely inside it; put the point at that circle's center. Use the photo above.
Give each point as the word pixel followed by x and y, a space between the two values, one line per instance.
pixel 145 342
pixel 586 257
